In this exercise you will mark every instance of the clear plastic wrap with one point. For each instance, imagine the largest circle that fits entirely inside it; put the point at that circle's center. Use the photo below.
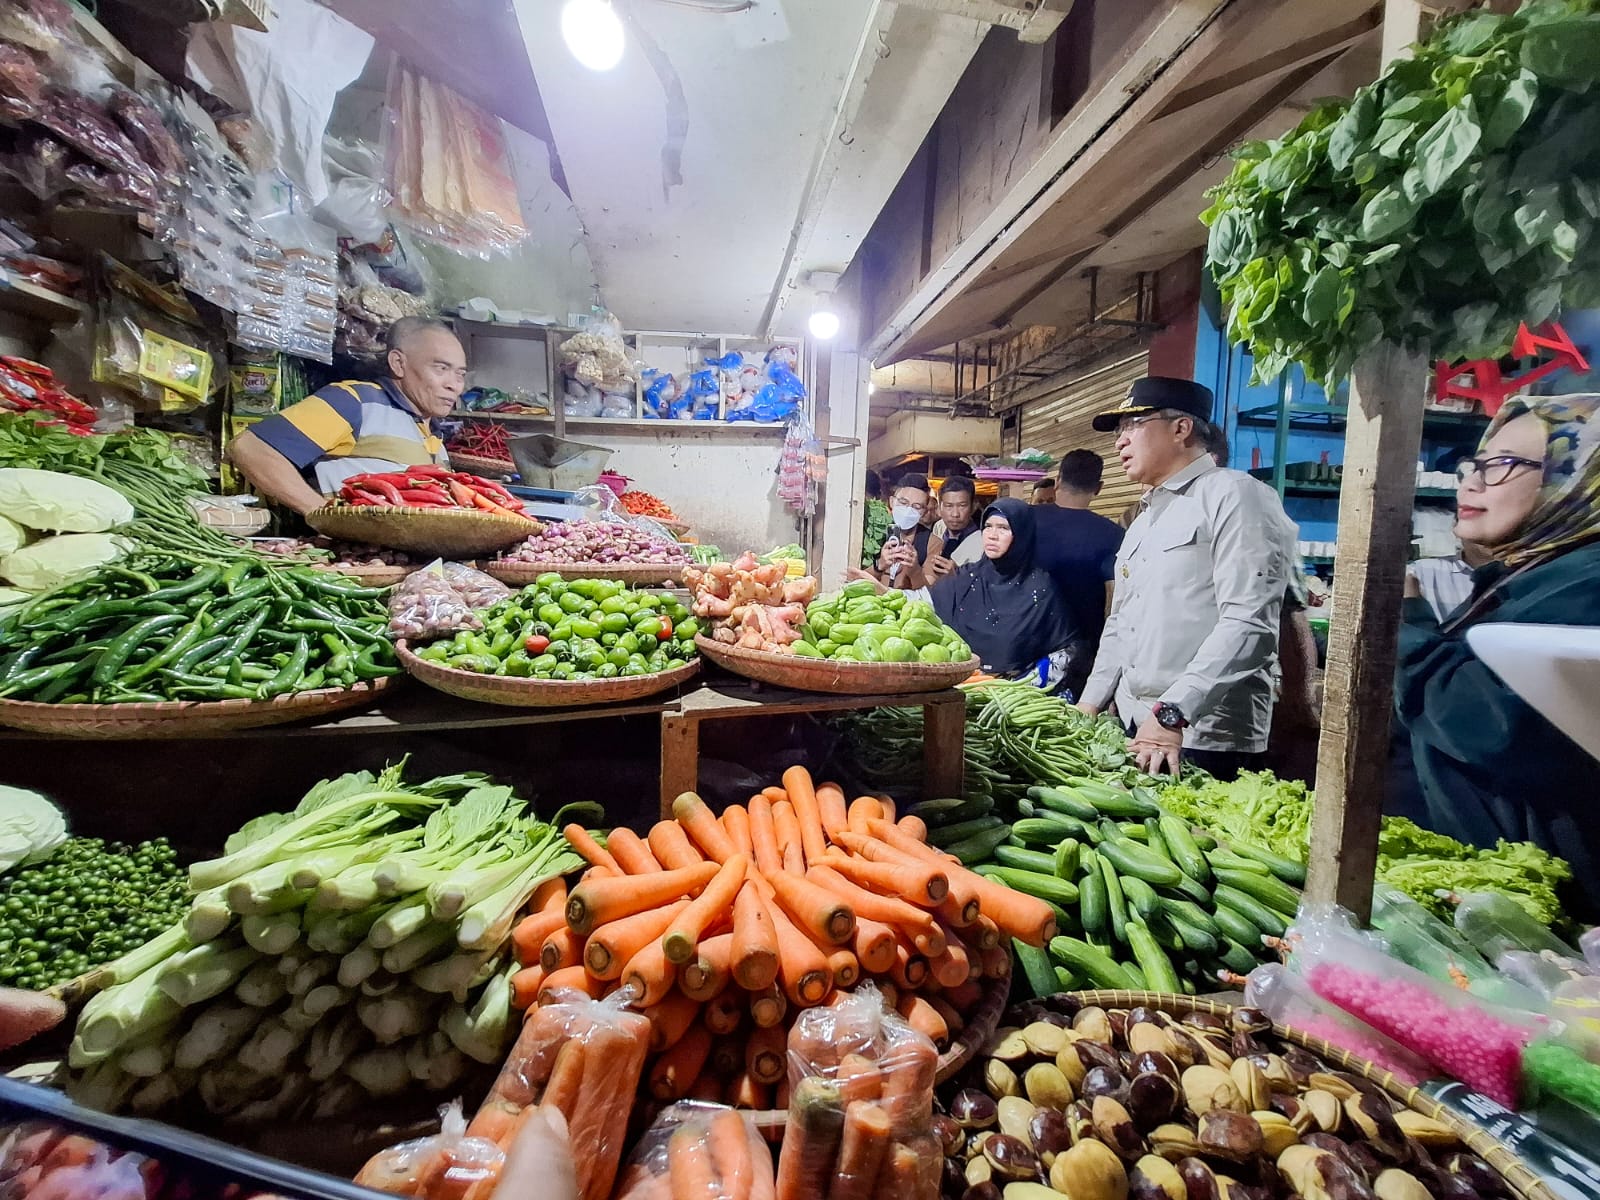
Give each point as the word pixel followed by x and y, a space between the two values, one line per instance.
pixel 1495 924
pixel 37 24
pixel 1289 1000
pixel 449 1164
pixel 585 1058
pixel 21 83
pixel 699 1151
pixel 426 605
pixel 861 1104
pixel 80 123
pixel 476 588
pixel 1416 937
pixel 143 126
pixel 1477 1043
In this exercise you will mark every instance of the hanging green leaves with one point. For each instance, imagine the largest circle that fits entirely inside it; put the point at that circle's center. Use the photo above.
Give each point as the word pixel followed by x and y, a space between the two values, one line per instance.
pixel 1438 207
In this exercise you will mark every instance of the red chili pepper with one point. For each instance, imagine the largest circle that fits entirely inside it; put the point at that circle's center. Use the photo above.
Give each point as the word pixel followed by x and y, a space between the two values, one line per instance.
pixel 537 644
pixel 387 490
pixel 429 469
pixel 666 629
pixel 463 495
pixel 361 500
pixel 417 498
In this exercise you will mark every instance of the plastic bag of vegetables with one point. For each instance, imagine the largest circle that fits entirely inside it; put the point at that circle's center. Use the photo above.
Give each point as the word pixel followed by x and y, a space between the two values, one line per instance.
pixel 61 503
pixel 54 560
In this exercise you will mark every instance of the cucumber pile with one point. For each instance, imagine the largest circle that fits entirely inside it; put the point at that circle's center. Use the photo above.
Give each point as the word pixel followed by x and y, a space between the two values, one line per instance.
pixel 1142 900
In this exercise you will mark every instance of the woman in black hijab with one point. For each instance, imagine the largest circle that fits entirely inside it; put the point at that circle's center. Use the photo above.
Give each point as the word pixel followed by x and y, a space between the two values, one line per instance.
pixel 1006 606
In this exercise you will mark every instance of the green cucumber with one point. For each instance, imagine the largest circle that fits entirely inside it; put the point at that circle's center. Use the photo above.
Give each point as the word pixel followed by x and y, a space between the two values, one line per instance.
pixel 1152 960
pixel 1027 860
pixel 1033 883
pixel 1269 889
pixel 1130 858
pixel 1115 904
pixel 937 810
pixel 1066 859
pixel 1092 911
pixel 1025 808
pixel 1141 896
pixel 1183 849
pixel 1204 840
pixel 1285 869
pixel 1136 973
pixel 1235 927
pixel 947 835
pixel 1090 963
pixel 1036 968
pixel 1133 831
pixel 1257 913
pixel 1116 803
pixel 1043 831
pixel 1166 933
pixel 1227 860
pixel 1236 957
pixel 1153 839
pixel 976 849
pixel 1066 981
pixel 1190 890
pixel 1189 913
pixel 1064 800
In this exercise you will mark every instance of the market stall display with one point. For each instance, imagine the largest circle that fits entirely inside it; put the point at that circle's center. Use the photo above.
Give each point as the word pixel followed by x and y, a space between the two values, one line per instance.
pixel 643 504
pixel 373 566
pixel 601 549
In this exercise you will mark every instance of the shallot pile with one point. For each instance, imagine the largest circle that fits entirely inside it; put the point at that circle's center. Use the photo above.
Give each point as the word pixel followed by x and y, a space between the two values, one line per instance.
pixel 596 542
pixel 751 605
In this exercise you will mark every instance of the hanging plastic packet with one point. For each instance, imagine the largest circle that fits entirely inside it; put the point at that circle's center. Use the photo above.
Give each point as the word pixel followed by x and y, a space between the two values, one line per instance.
pixel 1289 1000
pixel 1416 937
pixel 1495 924
pixel 698 1151
pixel 426 605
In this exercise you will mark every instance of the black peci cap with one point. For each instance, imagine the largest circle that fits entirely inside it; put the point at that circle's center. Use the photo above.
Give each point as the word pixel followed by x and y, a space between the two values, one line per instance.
pixel 1155 393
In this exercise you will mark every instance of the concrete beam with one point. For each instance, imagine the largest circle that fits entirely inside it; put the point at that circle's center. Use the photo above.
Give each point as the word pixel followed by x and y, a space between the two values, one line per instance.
pixel 1034 20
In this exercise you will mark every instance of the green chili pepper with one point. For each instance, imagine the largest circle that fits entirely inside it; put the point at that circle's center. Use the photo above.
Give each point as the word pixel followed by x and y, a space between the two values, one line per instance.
pixel 314 680
pixel 202 580
pixel 28 680
pixel 235 646
pixel 235 575
pixel 289 674
pixel 367 666
pixel 150 583
pixel 191 658
pixel 174 650
pixel 124 645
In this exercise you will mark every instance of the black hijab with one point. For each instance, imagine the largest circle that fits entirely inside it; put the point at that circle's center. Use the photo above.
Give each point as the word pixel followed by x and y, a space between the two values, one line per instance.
pixel 1007 609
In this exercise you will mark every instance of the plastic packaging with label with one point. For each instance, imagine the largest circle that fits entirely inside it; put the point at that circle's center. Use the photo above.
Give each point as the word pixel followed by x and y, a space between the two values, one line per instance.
pixel 697 1151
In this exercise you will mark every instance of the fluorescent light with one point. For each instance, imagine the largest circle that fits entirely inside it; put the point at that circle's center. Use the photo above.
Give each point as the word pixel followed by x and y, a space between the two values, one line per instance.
pixel 593 33
pixel 871 387
pixel 824 324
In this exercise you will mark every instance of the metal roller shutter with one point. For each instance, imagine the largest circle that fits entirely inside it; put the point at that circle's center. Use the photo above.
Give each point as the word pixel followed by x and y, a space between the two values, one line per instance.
pixel 1062 422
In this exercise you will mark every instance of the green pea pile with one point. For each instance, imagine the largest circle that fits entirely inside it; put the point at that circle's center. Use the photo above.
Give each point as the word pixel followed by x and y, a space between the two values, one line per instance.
pixel 89 903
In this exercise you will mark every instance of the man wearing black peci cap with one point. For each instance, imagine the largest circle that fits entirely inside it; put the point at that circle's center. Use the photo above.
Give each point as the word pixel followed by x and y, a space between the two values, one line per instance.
pixel 1188 650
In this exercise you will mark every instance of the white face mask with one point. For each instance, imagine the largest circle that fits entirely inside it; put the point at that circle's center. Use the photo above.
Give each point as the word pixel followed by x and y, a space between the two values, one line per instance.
pixel 906 517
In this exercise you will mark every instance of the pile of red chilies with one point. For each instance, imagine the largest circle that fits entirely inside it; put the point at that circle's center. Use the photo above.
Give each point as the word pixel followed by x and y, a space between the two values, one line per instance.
pixel 431 487
pixel 486 441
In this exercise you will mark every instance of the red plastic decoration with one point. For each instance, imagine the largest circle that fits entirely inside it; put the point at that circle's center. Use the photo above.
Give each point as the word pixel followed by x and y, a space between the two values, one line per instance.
pixel 1490 387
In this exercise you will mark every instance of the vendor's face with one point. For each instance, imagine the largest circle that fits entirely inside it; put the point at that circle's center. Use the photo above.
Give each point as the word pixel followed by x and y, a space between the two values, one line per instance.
pixel 956 509
pixel 996 537
pixel 431 370
pixel 1492 505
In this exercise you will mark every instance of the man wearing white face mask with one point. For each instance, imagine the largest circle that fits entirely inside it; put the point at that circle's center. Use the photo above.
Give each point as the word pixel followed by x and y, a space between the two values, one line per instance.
pixel 900 562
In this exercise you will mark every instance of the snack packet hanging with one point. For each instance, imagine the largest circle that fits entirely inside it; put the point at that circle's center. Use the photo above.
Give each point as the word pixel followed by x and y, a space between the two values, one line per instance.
pixel 699 1151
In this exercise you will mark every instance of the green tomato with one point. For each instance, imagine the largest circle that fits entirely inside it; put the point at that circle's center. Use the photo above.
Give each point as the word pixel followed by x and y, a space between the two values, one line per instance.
pixel 549 580
pixel 615 622
pixel 609 671
pixel 613 604
pixel 572 602
pixel 552 614
pixel 648 627
pixel 618 657
pixel 629 642
pixel 564 671
pixel 632 669
pixel 678 612
pixel 545 664
pixel 674 663
pixel 557 587
pixel 686 628
pixel 585 628
pixel 609 640
pixel 562 630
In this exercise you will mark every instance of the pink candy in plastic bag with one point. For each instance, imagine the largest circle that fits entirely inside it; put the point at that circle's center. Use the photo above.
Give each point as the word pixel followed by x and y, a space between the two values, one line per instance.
pixel 696 1151
pixel 861 1105
pixel 447 1164
pixel 1288 1000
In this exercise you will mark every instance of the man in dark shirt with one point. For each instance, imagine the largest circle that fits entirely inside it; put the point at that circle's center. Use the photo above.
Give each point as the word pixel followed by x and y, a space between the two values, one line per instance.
pixel 1079 550
pixel 955 541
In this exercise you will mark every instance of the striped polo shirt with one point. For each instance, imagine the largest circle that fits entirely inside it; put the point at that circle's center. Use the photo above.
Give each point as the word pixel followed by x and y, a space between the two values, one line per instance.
pixel 350 428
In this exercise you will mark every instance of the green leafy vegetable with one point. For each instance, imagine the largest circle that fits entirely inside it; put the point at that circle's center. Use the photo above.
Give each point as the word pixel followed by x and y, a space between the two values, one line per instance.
pixel 876 523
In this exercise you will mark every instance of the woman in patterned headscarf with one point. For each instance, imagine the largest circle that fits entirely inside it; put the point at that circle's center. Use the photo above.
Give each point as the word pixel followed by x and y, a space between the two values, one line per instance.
pixel 1488 765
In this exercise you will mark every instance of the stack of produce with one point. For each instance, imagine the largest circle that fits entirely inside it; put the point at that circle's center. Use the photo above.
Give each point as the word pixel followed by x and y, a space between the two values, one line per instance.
pixel 431 487
pixel 859 625
pixel 565 542
pixel 585 629
pixel 482 439
pixel 355 947
pixel 749 604
pixel 720 927
pixel 160 628
pixel 1117 1103
pixel 55 526
pixel 331 552
pixel 643 504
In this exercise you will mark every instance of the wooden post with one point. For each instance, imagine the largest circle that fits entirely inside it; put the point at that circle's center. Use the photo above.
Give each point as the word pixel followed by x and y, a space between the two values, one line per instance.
pixel 680 758
pixel 1375 504
pixel 944 727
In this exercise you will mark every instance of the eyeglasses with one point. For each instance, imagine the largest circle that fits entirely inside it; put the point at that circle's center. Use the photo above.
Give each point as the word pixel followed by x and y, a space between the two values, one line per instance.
pixel 1129 424
pixel 1495 469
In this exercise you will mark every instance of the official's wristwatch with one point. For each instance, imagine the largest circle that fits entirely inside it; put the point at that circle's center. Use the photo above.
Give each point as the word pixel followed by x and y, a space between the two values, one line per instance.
pixel 1169 716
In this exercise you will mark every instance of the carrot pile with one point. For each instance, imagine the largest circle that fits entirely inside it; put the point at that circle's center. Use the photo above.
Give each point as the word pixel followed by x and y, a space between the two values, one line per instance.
pixel 699 1152
pixel 720 927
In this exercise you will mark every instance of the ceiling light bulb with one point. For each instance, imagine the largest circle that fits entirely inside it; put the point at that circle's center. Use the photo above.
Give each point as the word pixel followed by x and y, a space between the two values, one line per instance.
pixel 824 325
pixel 871 387
pixel 593 33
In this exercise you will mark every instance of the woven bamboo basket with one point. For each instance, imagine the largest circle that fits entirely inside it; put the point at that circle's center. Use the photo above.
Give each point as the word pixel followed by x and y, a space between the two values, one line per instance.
pixel 186 718
pixel 489 468
pixel 1523 1181
pixel 520 574
pixel 515 692
pixel 828 675
pixel 454 532
pixel 382 576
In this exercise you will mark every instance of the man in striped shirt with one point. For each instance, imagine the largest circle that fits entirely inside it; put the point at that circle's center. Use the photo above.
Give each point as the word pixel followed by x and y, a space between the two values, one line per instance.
pixel 305 453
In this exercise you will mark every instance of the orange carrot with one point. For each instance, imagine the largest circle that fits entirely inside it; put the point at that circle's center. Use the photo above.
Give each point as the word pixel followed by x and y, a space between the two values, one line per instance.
pixel 566 1077
pixel 909 968
pixel 900 1173
pixel 774 795
pixel 913 827
pixel 765 1054
pixel 754 954
pixel 862 809
pixel 802 966
pixel 724 1012
pixel 591 851
pixel 768 1006
pixel 736 823
pixel 672 847
pixel 862 1148
pixel 954 966
pixel 689 1164
pixel 702 826
pixel 631 853
pixel 780 1095
pixel 599 871
pixel 730 1154
pixel 495 1120
pixel 708 1089
pixel 875 851
pixel 924 1018
pixel 715 902
pixel 525 985
pixel 924 885
pixel 831 808
pixel 601 900
pixel 960 908
pixel 528 934
pixel 745 1092
pixel 811 1141
pixel 907 1087
pixel 670 1020
pixel 763 836
pixel 611 945
pixel 953 1021
pixel 727 1057
pixel 859 1079
pixel 987 935
pixel 681 1065
pixel 846 970
pixel 650 975
pixel 763 1187
pixel 821 911
pixel 707 974
pixel 966 996
pixel 573 979
pixel 563 948
pixel 549 897
pixel 997 963
pixel 787 828
pixel 888 909
pixel 874 945
pixel 803 795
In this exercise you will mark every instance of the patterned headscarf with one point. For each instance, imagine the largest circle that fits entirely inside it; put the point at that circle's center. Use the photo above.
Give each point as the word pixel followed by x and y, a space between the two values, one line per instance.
pixel 1567 512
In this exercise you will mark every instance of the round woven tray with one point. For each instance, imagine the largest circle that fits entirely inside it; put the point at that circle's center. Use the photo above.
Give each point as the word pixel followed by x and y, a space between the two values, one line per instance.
pixel 186 718
pixel 828 675
pixel 487 467
pixel 446 531
pixel 1523 1181
pixel 386 576
pixel 540 693
pixel 520 574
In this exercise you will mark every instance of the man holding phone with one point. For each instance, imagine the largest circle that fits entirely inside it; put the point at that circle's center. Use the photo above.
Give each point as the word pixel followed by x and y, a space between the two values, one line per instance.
pixel 955 541
pixel 900 562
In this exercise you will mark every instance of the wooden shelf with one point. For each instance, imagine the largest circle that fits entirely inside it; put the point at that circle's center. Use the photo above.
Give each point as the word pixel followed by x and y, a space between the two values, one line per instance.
pixel 625 424
pixel 30 300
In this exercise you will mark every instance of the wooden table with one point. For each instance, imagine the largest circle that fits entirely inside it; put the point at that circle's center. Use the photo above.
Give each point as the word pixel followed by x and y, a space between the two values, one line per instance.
pixel 943 730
